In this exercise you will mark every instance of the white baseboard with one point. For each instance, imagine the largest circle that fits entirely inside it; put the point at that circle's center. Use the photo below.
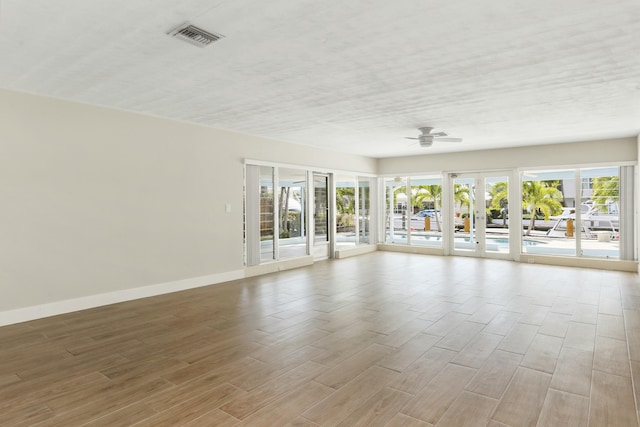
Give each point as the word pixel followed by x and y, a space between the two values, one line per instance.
pixel 347 252
pixel 273 267
pixel 564 261
pixel 67 306
pixel 391 247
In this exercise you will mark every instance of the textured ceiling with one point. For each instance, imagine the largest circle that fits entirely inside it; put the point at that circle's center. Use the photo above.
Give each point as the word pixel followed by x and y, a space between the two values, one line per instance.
pixel 354 76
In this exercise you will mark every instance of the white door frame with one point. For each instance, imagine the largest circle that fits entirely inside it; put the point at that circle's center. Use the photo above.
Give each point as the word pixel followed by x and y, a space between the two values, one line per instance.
pixel 324 249
pixel 479 233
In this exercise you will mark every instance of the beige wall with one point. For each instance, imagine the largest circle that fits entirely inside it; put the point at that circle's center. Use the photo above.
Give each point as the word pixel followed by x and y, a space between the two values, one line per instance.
pixel 578 153
pixel 97 201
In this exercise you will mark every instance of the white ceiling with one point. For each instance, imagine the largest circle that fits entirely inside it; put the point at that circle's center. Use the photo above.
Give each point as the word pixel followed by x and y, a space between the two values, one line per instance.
pixel 354 76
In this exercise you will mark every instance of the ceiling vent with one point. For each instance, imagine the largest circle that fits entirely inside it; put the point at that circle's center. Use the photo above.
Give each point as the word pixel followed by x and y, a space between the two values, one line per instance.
pixel 194 35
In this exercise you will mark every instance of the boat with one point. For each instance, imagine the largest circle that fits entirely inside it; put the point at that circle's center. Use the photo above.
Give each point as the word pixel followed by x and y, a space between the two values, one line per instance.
pixel 596 224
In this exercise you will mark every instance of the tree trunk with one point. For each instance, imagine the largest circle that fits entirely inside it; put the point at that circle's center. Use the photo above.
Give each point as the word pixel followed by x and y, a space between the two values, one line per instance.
pixel 281 205
pixel 285 220
pixel 284 207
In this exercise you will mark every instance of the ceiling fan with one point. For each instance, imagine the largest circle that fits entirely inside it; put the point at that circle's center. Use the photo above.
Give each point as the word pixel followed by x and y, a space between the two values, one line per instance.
pixel 428 136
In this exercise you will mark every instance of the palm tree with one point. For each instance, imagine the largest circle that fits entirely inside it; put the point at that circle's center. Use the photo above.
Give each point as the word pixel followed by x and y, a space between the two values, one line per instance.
pixel 429 193
pixel 345 200
pixel 605 189
pixel 461 195
pixel 345 208
pixel 500 198
pixel 284 211
pixel 540 196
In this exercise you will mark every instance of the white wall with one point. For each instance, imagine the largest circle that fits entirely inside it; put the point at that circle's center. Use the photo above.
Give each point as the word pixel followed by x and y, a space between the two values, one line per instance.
pixel 578 153
pixel 98 201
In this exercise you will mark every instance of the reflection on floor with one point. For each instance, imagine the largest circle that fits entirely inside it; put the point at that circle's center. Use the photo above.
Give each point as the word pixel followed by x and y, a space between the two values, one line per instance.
pixel 380 339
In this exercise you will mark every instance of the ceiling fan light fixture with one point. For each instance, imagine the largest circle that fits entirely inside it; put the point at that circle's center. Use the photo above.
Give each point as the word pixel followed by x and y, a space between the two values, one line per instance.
pixel 425 140
pixel 427 137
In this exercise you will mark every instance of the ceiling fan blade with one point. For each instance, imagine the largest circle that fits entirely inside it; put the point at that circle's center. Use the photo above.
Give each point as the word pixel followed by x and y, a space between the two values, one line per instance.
pixel 410 137
pixel 448 139
pixel 437 134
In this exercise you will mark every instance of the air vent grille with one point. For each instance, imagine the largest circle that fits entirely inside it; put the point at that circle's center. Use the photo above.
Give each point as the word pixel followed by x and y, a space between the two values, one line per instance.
pixel 194 35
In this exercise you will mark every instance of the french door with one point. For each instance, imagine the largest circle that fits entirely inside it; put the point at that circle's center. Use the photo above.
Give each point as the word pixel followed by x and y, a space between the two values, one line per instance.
pixel 321 247
pixel 481 215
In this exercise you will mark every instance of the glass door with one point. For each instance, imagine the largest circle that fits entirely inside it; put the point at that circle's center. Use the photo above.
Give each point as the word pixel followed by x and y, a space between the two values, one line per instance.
pixel 481 215
pixel 321 224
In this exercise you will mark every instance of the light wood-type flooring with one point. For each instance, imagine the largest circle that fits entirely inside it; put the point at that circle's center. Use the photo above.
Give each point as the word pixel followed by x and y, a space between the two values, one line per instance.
pixel 383 339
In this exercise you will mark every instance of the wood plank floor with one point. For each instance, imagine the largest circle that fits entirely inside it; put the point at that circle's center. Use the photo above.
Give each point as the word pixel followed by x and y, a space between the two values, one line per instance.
pixel 383 339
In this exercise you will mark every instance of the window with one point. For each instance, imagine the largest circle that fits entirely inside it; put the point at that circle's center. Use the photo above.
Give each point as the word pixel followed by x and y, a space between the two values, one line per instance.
pixel 364 210
pixel 592 218
pixel 426 211
pixel 600 222
pixel 414 212
pixel 353 221
pixel 266 214
pixel 546 196
pixel 275 213
pixel 345 210
pixel 397 218
pixel 292 193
